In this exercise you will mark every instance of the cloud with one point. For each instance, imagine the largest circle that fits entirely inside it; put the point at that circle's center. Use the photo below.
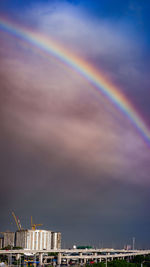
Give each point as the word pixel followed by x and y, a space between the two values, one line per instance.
pixel 113 45
pixel 73 117
pixel 69 150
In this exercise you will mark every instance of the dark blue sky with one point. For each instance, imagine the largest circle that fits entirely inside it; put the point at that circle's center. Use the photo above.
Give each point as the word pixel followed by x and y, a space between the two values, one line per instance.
pixel 136 12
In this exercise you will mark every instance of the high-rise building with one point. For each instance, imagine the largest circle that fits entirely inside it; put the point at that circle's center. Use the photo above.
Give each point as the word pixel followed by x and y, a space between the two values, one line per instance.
pixel 1 242
pixel 56 240
pixel 9 239
pixel 38 239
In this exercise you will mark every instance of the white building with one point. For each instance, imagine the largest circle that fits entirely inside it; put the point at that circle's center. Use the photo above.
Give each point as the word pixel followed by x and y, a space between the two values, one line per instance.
pixel 38 239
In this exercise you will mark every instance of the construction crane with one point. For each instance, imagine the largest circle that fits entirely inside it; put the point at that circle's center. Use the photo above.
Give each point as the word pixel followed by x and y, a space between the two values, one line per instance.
pixel 34 225
pixel 17 221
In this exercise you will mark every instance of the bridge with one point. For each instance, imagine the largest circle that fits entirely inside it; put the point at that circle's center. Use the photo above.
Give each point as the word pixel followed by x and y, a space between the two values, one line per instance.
pixel 80 256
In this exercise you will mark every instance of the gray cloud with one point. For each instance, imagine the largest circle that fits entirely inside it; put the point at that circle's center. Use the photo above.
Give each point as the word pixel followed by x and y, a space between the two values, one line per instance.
pixel 68 156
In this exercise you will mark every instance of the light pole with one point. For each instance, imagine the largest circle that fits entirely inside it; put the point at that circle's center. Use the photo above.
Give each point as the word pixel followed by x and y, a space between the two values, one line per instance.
pixel 133 245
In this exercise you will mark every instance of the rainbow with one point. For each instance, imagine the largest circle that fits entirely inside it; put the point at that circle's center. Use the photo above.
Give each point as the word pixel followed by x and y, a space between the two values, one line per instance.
pixel 95 77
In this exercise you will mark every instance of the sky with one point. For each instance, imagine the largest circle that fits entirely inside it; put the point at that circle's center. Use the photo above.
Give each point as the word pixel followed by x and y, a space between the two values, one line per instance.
pixel 69 157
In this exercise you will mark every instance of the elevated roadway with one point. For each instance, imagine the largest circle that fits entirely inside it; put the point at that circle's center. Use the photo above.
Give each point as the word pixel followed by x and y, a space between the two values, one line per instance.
pixel 78 255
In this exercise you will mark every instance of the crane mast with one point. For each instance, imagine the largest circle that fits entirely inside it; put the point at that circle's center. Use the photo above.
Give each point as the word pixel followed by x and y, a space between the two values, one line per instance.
pixel 34 225
pixel 17 221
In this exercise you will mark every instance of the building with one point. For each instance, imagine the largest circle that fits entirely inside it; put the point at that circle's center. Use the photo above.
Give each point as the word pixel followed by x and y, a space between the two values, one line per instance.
pixel 38 239
pixel 9 239
pixel 56 240
pixel 127 247
pixel 1 242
